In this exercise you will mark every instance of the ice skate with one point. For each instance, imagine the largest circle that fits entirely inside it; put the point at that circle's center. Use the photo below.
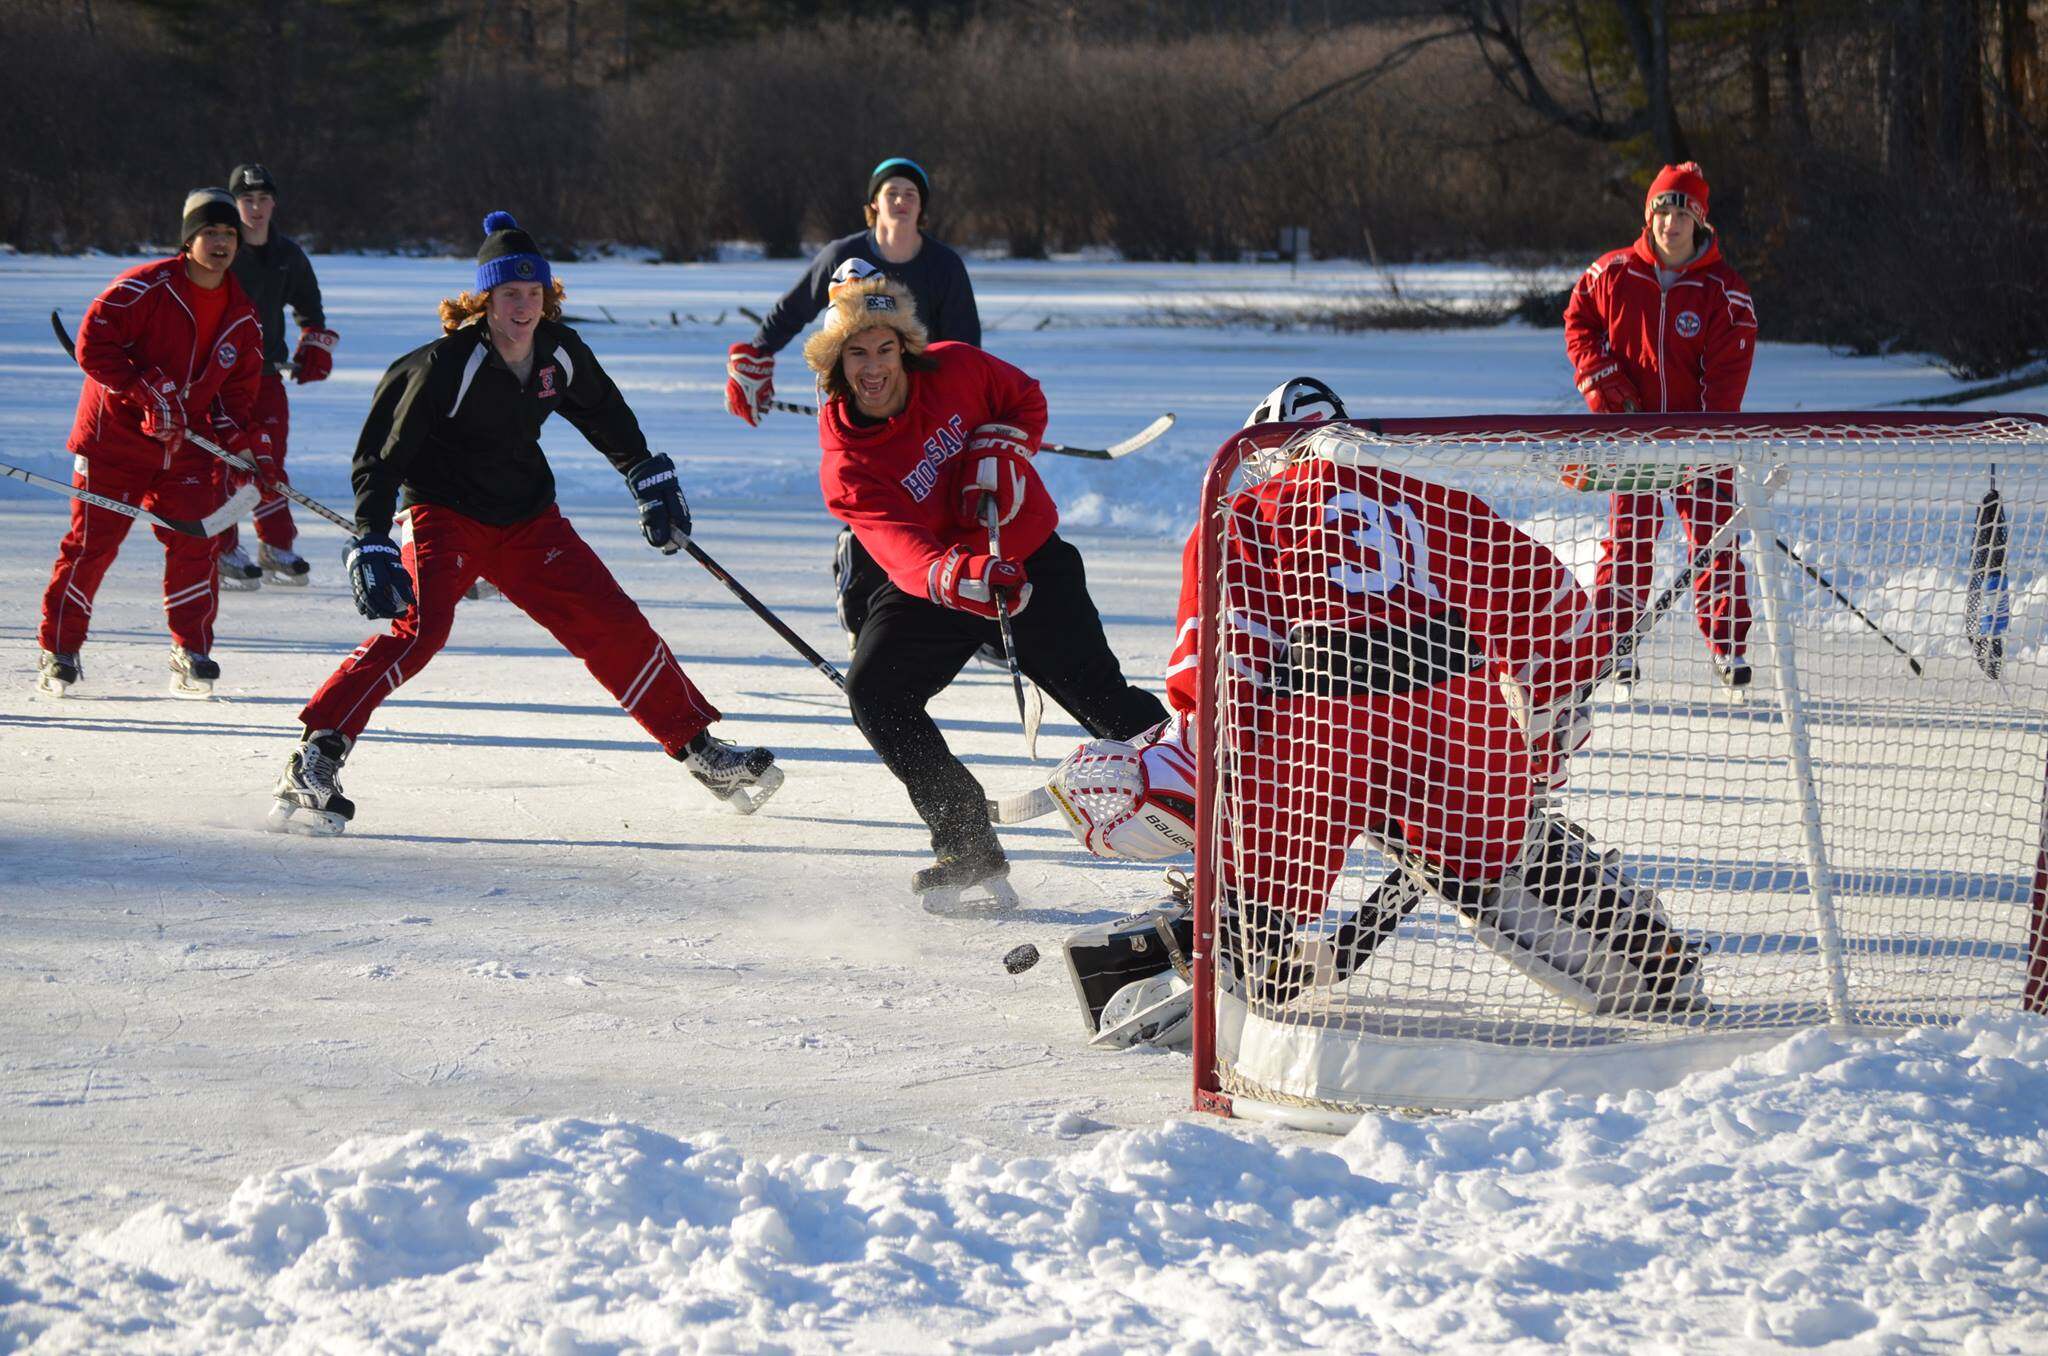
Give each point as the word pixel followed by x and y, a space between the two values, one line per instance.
pixel 969 880
pixel 56 672
pixel 192 675
pixel 309 798
pixel 239 573
pixel 282 565
pixel 1733 670
pixel 743 778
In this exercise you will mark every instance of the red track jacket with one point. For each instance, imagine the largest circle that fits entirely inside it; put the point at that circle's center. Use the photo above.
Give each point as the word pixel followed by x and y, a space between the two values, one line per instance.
pixel 1685 349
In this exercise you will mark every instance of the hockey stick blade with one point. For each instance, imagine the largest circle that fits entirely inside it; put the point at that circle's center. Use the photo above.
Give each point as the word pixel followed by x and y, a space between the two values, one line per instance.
pixel 225 517
pixel 63 337
pixel 241 463
pixel 1023 807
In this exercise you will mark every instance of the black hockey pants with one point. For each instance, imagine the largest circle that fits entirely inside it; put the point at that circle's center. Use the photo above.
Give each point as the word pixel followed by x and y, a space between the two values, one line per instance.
pixel 910 649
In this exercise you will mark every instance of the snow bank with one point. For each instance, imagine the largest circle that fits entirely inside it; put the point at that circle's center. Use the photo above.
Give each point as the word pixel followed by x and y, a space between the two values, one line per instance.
pixel 1851 1194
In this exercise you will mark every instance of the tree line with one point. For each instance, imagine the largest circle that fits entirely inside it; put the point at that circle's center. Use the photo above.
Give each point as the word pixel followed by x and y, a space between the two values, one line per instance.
pixel 1880 167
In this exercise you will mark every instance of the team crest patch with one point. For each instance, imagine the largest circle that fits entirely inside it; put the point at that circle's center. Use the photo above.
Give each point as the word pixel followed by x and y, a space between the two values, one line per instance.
pixel 523 269
pixel 547 381
pixel 1688 323
pixel 227 354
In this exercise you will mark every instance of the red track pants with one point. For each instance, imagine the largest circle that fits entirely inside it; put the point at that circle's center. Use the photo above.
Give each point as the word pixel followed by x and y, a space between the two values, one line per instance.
pixel 187 488
pixel 549 573
pixel 1720 592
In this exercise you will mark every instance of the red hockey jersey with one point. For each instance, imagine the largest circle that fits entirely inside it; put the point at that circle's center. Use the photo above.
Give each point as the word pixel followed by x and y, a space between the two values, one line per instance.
pixel 143 321
pixel 893 483
pixel 1368 549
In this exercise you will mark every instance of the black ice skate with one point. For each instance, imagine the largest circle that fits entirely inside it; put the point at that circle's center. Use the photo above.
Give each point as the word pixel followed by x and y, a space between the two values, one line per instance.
pixel 309 798
pixel 281 565
pixel 742 778
pixel 192 675
pixel 1734 670
pixel 238 573
pixel 56 672
pixel 970 879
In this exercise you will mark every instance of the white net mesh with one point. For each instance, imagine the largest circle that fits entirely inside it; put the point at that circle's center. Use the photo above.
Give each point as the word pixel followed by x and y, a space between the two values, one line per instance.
pixel 1426 894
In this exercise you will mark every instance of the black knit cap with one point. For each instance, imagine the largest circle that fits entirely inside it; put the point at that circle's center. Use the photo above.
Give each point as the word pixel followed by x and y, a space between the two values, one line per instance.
pixel 206 207
pixel 509 254
pixel 251 179
pixel 899 167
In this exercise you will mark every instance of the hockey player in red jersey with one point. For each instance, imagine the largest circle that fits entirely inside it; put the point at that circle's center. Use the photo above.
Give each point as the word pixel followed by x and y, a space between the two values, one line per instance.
pixel 1400 663
pixel 1666 326
pixel 450 455
pixel 170 345
pixel 919 441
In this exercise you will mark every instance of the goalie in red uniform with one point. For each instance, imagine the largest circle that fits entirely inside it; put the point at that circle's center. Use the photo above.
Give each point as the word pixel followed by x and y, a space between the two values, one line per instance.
pixel 1400 663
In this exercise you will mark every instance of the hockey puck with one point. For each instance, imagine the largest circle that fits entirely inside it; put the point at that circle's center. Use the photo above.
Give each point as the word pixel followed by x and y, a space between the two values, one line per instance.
pixel 1018 959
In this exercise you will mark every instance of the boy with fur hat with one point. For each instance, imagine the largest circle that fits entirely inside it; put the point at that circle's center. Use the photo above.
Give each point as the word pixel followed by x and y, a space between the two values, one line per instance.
pixel 920 441
pixel 455 428
pixel 1663 326
pixel 275 273
pixel 894 244
pixel 169 345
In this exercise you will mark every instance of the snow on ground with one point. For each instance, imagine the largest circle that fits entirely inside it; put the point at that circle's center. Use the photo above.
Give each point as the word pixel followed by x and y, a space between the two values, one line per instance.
pixel 613 1068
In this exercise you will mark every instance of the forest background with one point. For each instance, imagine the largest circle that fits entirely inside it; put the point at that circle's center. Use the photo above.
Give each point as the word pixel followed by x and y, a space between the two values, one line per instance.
pixel 1879 167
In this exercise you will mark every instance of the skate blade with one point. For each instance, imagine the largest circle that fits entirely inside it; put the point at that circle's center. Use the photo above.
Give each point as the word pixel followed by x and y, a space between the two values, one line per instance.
pixel 286 579
pixel 285 818
pixel 231 584
pixel 995 895
pixel 191 689
pixel 747 799
pixel 50 687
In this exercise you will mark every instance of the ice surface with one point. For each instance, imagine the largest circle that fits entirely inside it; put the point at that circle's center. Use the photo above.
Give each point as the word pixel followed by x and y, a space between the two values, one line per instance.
pixel 613 1068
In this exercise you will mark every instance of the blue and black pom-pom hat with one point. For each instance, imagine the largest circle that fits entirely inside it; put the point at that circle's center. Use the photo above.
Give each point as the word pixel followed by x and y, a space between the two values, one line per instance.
pixel 897 166
pixel 508 255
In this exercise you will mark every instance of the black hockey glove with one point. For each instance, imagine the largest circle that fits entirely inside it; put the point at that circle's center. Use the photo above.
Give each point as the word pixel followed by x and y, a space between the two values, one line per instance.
pixel 664 517
pixel 383 589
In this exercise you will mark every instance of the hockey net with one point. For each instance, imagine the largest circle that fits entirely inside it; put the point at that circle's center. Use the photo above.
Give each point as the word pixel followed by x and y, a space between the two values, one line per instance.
pixel 1855 839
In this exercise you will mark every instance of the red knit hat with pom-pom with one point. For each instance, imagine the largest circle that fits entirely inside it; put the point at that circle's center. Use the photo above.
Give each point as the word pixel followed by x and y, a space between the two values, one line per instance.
pixel 1682 186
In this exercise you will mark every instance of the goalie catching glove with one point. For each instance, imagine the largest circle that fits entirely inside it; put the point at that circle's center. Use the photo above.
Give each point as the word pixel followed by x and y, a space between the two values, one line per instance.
pixel 972 583
pixel 1130 801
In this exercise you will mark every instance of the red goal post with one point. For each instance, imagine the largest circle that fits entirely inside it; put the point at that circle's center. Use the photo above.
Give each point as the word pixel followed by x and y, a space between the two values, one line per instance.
pixel 1799 918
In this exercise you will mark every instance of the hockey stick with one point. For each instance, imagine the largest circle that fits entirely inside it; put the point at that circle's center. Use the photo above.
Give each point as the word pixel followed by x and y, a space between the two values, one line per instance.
pixel 760 609
pixel 995 548
pixel 1817 577
pixel 244 464
pixel 212 525
pixel 1988 610
pixel 1148 434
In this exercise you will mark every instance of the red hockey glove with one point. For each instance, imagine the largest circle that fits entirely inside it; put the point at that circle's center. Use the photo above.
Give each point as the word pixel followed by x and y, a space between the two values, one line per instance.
pixel 972 583
pixel 749 381
pixel 1609 391
pixel 315 355
pixel 162 402
pixel 994 472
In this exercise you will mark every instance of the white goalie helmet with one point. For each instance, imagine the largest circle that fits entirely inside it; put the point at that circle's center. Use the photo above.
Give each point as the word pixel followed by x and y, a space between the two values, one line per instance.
pixel 1128 802
pixel 1303 400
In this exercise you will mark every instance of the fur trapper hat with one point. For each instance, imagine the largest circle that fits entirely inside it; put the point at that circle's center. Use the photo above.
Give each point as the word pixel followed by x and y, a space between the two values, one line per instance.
pixel 875 302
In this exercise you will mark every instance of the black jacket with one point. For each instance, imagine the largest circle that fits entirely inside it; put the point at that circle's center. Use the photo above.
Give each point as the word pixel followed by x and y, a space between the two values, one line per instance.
pixel 453 426
pixel 936 278
pixel 277 274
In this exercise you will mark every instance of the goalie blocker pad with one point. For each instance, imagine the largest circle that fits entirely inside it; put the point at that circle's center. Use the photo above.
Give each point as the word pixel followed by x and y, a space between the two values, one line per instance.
pixel 1106 957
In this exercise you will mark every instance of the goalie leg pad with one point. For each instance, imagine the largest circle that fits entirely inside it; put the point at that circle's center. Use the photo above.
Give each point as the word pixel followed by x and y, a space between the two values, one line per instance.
pixel 1572 920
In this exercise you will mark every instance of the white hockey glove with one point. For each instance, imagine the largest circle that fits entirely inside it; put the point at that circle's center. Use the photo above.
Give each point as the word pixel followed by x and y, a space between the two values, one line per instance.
pixel 1556 730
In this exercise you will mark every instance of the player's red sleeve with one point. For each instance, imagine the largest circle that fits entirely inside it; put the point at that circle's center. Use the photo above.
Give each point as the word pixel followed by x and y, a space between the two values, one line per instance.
pixel 1730 346
pixel 1585 329
pixel 1185 660
pixel 105 334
